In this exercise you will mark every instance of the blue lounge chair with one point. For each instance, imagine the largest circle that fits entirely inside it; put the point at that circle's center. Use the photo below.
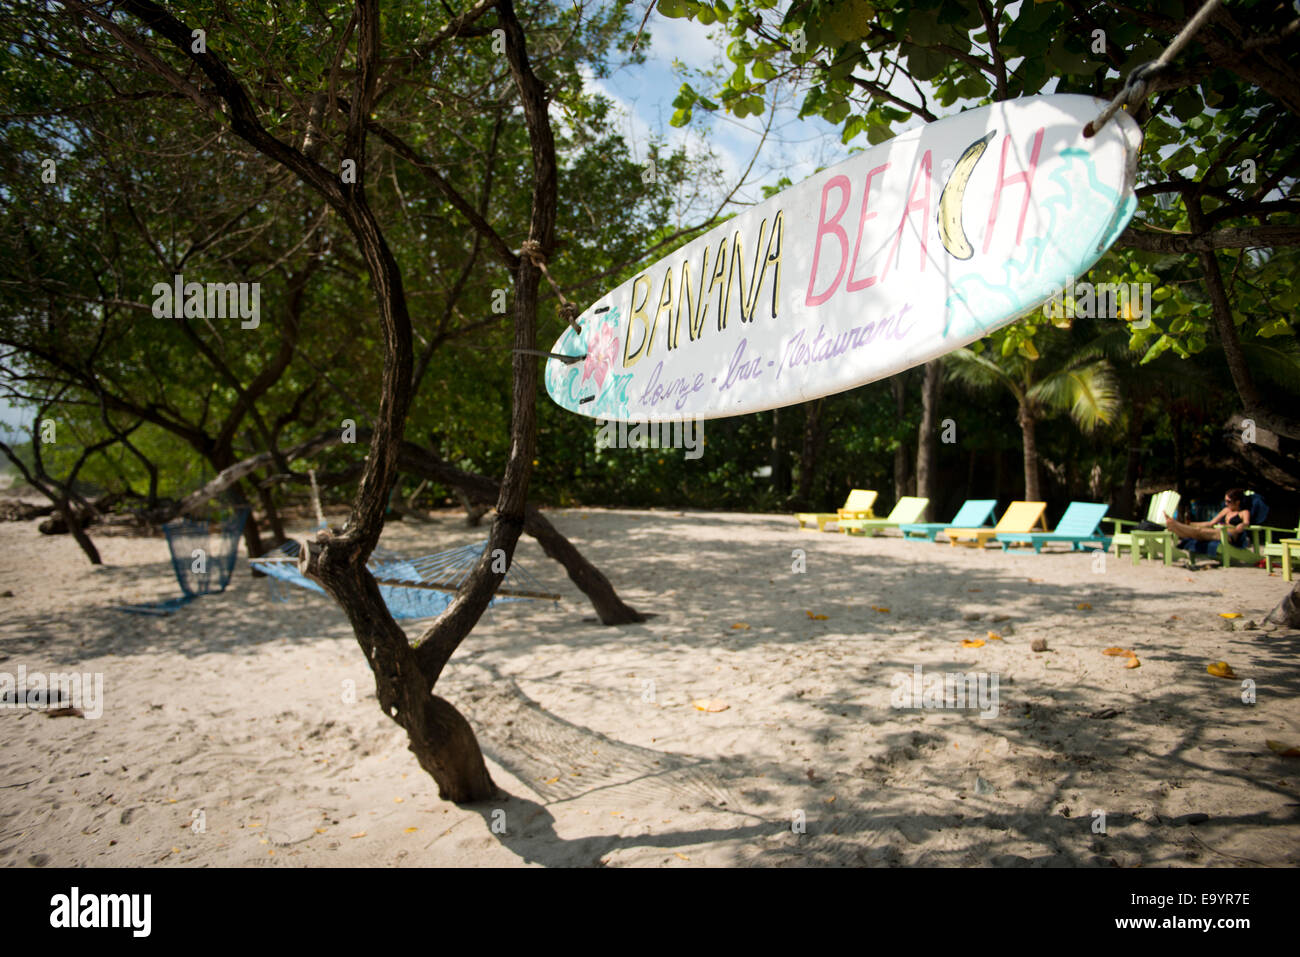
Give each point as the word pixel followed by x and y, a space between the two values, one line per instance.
pixel 1080 525
pixel 973 514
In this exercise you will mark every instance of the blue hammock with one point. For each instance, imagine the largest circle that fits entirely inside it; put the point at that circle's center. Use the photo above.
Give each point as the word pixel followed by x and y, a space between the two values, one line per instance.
pixel 203 562
pixel 412 587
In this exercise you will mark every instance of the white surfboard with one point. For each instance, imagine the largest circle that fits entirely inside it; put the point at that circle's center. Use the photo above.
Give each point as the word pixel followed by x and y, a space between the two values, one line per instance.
pixel 899 254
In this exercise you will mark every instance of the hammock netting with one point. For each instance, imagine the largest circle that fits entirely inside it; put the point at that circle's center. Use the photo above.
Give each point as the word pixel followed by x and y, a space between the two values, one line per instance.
pixel 202 559
pixel 412 587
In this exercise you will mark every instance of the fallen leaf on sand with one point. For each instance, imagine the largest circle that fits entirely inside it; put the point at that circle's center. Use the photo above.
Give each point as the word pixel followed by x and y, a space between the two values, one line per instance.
pixel 1286 750
pixel 552 780
pixel 741 626
pixel 1175 618
pixel 994 636
pixel 711 704
pixel 358 834
pixel 1133 662
pixel 681 855
pixel 1083 606
pixel 880 608
pixel 816 617
pixel 410 830
pixel 1221 669
pixel 972 642
pixel 65 713
pixel 1117 652
pixel 319 830
pixel 1229 614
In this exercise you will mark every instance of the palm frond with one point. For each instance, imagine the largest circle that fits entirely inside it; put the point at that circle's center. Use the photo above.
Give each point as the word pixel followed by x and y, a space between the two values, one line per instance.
pixel 979 371
pixel 1089 392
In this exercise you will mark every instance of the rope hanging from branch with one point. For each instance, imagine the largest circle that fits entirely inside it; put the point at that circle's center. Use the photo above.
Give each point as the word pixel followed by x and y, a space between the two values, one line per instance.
pixel 532 251
pixel 1137 86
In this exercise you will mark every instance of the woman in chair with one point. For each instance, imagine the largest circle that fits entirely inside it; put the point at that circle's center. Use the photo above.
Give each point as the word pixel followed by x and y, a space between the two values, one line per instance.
pixel 1234 514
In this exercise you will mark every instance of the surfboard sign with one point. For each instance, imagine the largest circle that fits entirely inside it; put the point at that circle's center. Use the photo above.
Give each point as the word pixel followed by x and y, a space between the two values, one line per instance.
pixel 899 254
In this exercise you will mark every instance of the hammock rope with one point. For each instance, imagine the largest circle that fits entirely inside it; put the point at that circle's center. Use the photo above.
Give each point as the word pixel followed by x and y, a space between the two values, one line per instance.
pixel 202 560
pixel 420 587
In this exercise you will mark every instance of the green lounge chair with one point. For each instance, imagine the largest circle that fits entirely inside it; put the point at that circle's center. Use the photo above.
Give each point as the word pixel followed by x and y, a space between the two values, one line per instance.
pixel 973 513
pixel 908 509
pixel 1080 525
pixel 857 505
pixel 1165 503
pixel 1285 549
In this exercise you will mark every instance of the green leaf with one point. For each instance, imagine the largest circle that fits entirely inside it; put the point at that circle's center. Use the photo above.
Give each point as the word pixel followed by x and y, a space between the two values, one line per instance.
pixel 836 112
pixel 878 133
pixel 1278 327
pixel 1187 104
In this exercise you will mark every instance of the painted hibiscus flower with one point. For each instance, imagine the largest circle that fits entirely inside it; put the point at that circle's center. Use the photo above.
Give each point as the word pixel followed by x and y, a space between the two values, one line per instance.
pixel 602 350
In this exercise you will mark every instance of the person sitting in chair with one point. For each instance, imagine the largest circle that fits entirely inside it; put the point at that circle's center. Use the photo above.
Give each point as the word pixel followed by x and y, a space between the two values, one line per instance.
pixel 1234 514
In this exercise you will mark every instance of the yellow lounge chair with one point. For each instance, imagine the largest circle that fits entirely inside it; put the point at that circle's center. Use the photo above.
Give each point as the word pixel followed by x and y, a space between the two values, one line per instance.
pixel 857 505
pixel 1019 517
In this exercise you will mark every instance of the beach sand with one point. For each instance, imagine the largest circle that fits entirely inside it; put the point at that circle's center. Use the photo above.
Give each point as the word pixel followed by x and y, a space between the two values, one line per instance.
pixel 229 737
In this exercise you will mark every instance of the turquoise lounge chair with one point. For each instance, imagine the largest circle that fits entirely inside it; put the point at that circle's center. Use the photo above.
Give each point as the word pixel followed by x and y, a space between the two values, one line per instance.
pixel 973 514
pixel 1080 525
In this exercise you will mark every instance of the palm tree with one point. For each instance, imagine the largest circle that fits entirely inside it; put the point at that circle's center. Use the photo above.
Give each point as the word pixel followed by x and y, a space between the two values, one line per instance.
pixel 1064 378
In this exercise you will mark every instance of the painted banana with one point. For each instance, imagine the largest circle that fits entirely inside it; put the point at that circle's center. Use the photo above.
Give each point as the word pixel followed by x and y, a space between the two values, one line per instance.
pixel 950 200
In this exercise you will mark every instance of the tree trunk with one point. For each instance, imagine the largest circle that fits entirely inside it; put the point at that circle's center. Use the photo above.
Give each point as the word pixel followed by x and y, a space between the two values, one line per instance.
pixel 902 457
pixel 1287 611
pixel 1033 490
pixel 808 454
pixel 474 512
pixel 1256 406
pixel 1180 472
pixel 780 460
pixel 927 438
pixel 1128 492
pixel 73 521
pixel 272 515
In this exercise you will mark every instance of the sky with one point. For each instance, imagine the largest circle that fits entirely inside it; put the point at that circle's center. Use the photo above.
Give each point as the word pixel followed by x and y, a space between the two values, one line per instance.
pixel 643 94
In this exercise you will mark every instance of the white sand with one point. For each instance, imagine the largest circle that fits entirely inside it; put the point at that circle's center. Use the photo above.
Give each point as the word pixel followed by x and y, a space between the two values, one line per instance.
pixel 234 707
